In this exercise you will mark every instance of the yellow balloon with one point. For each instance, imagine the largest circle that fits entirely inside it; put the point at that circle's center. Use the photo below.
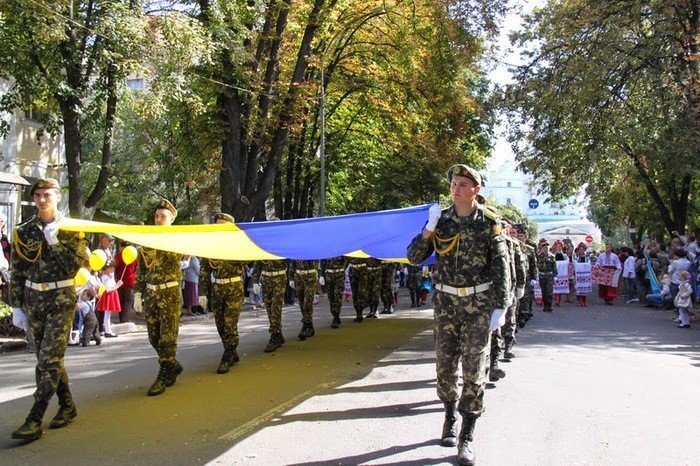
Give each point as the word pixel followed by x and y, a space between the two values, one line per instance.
pixel 101 289
pixel 98 259
pixel 82 277
pixel 129 254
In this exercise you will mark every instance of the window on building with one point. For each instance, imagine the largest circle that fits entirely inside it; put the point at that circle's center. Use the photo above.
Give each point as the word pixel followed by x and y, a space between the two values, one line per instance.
pixel 508 201
pixel 136 84
pixel 508 184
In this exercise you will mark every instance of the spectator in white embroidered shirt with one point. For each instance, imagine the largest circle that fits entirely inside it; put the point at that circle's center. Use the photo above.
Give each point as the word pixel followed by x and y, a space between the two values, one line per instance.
pixel 630 276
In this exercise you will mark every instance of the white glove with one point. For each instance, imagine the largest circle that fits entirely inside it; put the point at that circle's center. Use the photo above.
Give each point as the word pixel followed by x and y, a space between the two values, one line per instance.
pixel 256 288
pixel 498 318
pixel 51 233
pixel 321 280
pixel 433 217
pixel 291 284
pixel 533 282
pixel 519 293
pixel 18 317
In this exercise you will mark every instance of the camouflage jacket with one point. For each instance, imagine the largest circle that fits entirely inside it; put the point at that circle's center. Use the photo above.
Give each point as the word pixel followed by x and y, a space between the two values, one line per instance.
pixel 520 264
pixel 34 260
pixel 374 263
pixel 479 255
pixel 157 267
pixel 334 263
pixel 546 265
pixel 220 269
pixel 273 265
pixel 532 272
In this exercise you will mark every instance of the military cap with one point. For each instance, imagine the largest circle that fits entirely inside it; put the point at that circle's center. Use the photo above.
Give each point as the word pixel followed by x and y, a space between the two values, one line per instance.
pixel 44 183
pixel 224 217
pixel 463 170
pixel 167 205
pixel 543 242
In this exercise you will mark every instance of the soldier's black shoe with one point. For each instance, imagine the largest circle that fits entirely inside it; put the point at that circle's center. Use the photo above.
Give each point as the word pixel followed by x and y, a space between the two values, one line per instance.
pixel 336 321
pixel 228 359
pixel 307 330
pixel 175 369
pixel 449 427
pixel 465 454
pixel 387 310
pixel 160 383
pixel 359 317
pixel 64 416
pixel 495 372
pixel 30 430
pixel 372 313
pixel 508 353
pixel 276 340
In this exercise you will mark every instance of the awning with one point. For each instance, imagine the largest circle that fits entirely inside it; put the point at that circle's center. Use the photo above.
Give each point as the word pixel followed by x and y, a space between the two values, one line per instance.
pixel 11 178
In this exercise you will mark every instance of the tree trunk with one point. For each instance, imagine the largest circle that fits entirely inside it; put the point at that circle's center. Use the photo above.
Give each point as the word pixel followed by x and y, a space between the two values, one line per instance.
pixel 70 112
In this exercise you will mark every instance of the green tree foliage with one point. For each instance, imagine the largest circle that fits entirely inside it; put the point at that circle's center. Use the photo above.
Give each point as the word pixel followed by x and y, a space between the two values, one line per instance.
pixel 608 97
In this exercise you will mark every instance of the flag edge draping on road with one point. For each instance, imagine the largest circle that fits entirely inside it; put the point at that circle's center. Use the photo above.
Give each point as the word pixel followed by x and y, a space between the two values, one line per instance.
pixel 381 234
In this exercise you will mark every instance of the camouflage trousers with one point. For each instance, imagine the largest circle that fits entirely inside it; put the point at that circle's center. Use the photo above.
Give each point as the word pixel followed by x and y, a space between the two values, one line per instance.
pixel 50 315
pixel 273 288
pixel 305 285
pixel 508 329
pixel 547 285
pixel 374 286
pixel 227 301
pixel 496 345
pixel 162 309
pixel 387 288
pixel 358 284
pixel 335 285
pixel 462 334
pixel 525 305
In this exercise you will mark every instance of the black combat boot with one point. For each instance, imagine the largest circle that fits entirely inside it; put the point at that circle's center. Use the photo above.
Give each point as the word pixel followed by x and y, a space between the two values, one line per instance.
pixel 66 408
pixel 228 359
pixel 276 340
pixel 388 309
pixel 449 428
pixel 307 330
pixel 336 321
pixel 175 369
pixel 508 352
pixel 495 372
pixel 465 455
pixel 359 317
pixel 161 383
pixel 372 312
pixel 31 429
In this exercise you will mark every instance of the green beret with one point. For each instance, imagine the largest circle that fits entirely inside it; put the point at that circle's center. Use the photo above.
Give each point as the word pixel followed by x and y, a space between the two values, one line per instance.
pixel 44 183
pixel 464 170
pixel 167 205
pixel 224 217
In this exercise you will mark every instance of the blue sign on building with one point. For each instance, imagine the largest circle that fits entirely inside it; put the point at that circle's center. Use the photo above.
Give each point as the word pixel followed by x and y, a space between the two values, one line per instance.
pixel 534 203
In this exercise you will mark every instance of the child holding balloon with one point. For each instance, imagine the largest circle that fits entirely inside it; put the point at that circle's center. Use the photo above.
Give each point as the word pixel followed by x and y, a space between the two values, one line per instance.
pixel 109 299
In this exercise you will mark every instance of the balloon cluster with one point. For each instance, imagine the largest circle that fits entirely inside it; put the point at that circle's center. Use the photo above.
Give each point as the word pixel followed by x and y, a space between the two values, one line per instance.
pixel 97 260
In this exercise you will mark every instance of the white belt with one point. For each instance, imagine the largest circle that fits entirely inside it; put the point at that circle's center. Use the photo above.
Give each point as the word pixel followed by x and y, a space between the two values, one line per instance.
pixel 358 266
pixel 306 272
pixel 50 285
pixel 335 270
pixel 465 291
pixel 272 274
pixel 373 268
pixel 161 286
pixel 224 281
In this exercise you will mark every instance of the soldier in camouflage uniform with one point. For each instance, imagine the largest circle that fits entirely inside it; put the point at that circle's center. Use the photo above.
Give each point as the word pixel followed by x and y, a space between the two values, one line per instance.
pixel 334 277
pixel 272 275
pixel 223 280
pixel 520 262
pixel 471 283
pixel 547 270
pixel 531 277
pixel 413 284
pixel 359 285
pixel 159 279
pixel 374 286
pixel 305 282
pixel 44 264
pixel 388 279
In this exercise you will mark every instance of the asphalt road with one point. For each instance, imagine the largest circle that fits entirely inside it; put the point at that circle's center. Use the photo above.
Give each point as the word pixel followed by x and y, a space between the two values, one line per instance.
pixel 600 385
